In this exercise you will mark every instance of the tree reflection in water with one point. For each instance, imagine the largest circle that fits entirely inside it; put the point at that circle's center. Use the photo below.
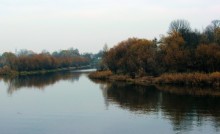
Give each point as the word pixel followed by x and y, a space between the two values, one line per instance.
pixel 38 81
pixel 183 108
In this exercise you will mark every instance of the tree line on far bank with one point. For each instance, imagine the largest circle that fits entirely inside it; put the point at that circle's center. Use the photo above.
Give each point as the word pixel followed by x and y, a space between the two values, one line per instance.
pixel 28 61
pixel 181 50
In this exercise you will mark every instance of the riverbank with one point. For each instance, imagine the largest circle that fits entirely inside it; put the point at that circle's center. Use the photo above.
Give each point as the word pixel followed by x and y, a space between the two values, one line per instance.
pixel 8 72
pixel 180 79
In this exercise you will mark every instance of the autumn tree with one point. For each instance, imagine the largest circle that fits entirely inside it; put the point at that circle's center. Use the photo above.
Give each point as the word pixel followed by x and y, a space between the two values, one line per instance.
pixel 115 56
pixel 133 56
pixel 29 61
pixel 8 58
pixel 191 38
pixel 175 57
pixel 182 50
pixel 208 58
pixel 217 36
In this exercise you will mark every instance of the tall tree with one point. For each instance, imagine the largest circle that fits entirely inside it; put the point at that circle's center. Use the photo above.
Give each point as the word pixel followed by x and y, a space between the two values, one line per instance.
pixel 180 26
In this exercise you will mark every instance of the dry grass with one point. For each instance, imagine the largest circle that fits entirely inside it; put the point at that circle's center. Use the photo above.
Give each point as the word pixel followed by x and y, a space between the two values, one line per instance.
pixel 183 79
pixel 100 75
pixel 189 79
pixel 120 78
pixel 108 75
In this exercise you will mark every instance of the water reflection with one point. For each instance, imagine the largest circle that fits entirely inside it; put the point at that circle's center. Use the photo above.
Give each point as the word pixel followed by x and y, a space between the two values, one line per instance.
pixel 38 81
pixel 185 111
pixel 196 91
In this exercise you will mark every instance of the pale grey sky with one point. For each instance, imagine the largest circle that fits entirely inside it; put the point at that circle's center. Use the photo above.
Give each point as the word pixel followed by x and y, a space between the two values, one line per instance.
pixel 89 24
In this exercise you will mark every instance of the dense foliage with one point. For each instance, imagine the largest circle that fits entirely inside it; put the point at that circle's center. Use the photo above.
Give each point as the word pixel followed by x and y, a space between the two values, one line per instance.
pixel 181 50
pixel 29 61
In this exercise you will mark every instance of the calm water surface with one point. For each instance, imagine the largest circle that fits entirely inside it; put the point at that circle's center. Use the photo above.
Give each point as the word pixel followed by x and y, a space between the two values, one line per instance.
pixel 70 103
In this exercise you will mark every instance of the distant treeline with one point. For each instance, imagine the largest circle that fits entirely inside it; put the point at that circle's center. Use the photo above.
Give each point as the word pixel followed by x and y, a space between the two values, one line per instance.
pixel 181 50
pixel 29 61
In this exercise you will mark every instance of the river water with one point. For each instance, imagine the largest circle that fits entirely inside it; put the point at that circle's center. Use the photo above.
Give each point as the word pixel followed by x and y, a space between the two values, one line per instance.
pixel 71 103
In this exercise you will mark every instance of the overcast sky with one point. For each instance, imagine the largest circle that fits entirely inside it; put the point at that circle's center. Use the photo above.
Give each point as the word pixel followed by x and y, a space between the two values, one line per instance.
pixel 89 24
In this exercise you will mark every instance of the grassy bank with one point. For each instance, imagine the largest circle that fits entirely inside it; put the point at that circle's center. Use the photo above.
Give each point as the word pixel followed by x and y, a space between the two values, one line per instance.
pixel 41 71
pixel 8 72
pixel 108 75
pixel 182 79
pixel 190 79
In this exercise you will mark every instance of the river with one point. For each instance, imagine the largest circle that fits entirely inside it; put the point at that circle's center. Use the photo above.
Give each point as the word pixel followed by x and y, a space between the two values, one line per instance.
pixel 71 103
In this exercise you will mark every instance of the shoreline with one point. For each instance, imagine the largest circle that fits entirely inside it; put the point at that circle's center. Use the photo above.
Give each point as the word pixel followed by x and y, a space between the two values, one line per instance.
pixel 175 79
pixel 9 72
